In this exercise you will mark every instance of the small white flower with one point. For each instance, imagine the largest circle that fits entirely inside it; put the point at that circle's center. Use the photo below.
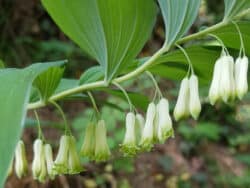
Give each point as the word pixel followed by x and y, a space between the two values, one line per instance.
pixel 39 170
pixel 49 160
pixel 194 102
pixel 102 152
pixel 61 163
pixel 227 82
pixel 214 91
pixel 182 106
pixel 129 143
pixel 165 128
pixel 241 69
pixel 21 164
pixel 139 125
pixel 88 146
pixel 74 164
pixel 148 130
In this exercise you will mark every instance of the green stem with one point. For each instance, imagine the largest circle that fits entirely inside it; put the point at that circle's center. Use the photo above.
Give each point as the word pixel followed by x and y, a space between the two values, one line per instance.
pixel 155 84
pixel 126 95
pixel 40 133
pixel 66 126
pixel 93 102
pixel 242 48
pixel 130 75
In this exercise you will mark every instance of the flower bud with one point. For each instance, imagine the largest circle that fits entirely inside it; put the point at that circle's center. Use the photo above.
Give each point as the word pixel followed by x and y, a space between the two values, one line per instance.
pixel 38 165
pixel 241 69
pixel 88 146
pixel 49 161
pixel 21 164
pixel 74 164
pixel 61 163
pixel 227 86
pixel 181 109
pixel 129 143
pixel 214 91
pixel 194 102
pixel 165 129
pixel 148 130
pixel 102 152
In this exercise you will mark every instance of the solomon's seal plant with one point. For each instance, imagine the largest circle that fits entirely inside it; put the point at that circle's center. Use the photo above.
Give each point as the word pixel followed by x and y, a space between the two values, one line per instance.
pixel 114 42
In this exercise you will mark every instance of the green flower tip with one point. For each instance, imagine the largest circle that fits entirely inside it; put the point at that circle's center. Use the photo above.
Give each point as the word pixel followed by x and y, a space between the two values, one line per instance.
pixel 146 144
pixel 129 149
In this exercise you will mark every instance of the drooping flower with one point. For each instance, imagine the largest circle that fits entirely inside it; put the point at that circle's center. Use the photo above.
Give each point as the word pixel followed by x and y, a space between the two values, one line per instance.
pixel 102 152
pixel 21 164
pixel 139 125
pixel 129 146
pixel 74 164
pixel 194 102
pixel 214 91
pixel 241 69
pixel 181 109
pixel 165 128
pixel 227 81
pixel 61 163
pixel 148 130
pixel 39 170
pixel 49 161
pixel 88 146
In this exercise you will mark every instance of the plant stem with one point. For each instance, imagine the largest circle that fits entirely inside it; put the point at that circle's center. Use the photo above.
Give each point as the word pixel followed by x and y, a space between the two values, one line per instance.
pixel 130 75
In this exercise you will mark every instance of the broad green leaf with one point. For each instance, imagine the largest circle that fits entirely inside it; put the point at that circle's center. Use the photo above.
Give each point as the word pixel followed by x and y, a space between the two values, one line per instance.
pixel 178 17
pixel 235 7
pixel 48 81
pixel 110 32
pixel 91 75
pixel 14 96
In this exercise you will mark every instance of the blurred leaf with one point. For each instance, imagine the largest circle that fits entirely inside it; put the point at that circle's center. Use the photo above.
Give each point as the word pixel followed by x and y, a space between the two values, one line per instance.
pixel 244 158
pixel 178 17
pixel 240 139
pixel 124 164
pixel 91 75
pixel 14 98
pixel 108 31
pixel 48 81
pixel 235 7
pixel 166 162
pixel 1 64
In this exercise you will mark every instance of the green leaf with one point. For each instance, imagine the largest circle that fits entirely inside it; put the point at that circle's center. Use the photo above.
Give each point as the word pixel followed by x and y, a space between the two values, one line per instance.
pixel 110 32
pixel 178 17
pixel 48 81
pixel 235 7
pixel 91 75
pixel 14 95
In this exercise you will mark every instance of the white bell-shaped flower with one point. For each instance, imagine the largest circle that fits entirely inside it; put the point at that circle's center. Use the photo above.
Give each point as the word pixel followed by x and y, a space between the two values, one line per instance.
pixel 61 162
pixel 165 128
pixel 49 160
pixel 129 146
pixel 181 109
pixel 148 130
pixel 39 170
pixel 102 152
pixel 214 91
pixel 21 164
pixel 227 81
pixel 241 69
pixel 139 125
pixel 194 102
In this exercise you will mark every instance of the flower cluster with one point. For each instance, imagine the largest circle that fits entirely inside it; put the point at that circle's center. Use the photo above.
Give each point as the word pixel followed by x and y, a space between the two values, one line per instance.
pixel 142 134
pixel 95 145
pixel 229 79
pixel 188 101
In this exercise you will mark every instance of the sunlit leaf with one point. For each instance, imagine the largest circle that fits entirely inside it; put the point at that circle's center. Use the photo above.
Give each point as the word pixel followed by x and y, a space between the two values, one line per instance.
pixel 178 17
pixel 110 32
pixel 48 81
pixel 14 95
